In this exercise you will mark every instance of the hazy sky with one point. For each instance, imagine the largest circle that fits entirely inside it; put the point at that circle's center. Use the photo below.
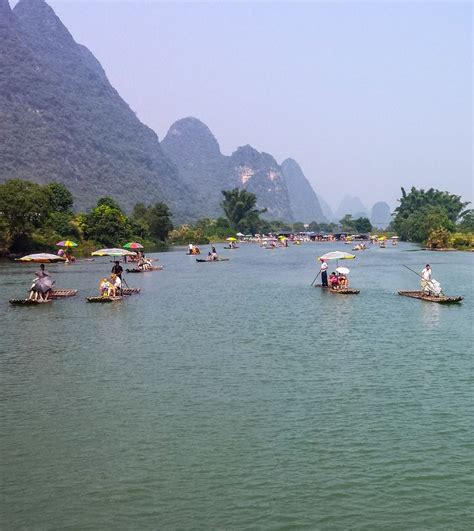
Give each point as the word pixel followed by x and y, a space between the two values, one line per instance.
pixel 365 96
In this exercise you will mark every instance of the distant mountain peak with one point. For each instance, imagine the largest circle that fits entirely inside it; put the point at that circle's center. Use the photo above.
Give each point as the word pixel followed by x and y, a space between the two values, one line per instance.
pixel 351 205
pixel 38 15
pixel 304 202
pixel 291 163
pixel 192 136
pixel 5 10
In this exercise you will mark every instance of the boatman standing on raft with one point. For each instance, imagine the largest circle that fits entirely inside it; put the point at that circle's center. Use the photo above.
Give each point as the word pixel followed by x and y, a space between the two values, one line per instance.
pixel 426 276
pixel 324 273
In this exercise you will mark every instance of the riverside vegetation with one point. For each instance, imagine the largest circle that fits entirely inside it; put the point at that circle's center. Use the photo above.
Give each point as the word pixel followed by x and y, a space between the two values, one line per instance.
pixel 34 217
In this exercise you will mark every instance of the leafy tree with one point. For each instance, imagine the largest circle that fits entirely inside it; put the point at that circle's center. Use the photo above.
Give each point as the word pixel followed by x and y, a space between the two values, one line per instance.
pixel 108 201
pixel 467 222
pixel 152 221
pixel 347 223
pixel 362 225
pixel 106 224
pixel 239 208
pixel 416 200
pixel 60 198
pixel 418 226
pixel 159 220
pixel 23 208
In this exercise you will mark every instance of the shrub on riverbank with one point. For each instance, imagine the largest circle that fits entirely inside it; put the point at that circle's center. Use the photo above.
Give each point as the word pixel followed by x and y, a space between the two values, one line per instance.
pixel 34 218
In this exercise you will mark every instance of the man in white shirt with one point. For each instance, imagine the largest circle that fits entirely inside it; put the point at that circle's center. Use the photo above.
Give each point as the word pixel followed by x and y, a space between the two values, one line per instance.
pixel 324 273
pixel 426 276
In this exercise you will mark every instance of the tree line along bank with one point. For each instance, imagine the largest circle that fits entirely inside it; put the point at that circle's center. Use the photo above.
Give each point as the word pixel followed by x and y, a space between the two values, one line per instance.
pixel 35 217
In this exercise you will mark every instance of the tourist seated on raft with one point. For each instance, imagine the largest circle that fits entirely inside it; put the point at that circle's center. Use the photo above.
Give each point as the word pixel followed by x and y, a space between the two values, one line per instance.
pixel 343 281
pixel 104 287
pixel 209 257
pixel 42 285
pixel 333 280
pixel 115 286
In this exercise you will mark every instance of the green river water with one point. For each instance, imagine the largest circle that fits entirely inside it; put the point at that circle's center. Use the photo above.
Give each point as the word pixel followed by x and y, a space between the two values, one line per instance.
pixel 235 396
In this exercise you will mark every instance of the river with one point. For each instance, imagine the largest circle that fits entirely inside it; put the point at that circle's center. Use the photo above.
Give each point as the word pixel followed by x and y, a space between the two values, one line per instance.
pixel 235 396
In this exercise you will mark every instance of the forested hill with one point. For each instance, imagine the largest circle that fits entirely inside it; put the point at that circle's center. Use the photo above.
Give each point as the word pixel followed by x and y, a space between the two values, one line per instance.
pixel 194 149
pixel 62 120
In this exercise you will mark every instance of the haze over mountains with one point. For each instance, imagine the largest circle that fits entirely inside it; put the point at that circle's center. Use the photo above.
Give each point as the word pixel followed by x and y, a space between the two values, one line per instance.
pixel 61 120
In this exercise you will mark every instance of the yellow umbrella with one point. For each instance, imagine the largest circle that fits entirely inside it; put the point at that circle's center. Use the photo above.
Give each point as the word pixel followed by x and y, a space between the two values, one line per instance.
pixel 231 239
pixel 67 243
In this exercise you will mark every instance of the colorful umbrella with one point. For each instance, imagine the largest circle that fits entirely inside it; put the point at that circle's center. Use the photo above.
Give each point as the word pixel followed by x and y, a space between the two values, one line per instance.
pixel 67 243
pixel 231 239
pixel 112 252
pixel 41 258
pixel 337 255
pixel 133 245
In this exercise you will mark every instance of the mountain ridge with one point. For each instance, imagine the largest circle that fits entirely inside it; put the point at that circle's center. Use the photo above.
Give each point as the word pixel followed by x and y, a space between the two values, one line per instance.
pixel 62 120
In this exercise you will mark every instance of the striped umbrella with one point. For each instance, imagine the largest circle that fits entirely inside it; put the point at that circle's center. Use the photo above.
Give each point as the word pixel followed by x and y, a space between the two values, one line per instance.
pixel 133 245
pixel 112 252
pixel 67 243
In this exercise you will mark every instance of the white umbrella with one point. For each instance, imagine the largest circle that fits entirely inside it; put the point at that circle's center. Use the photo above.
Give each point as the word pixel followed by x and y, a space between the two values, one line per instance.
pixel 239 234
pixel 343 270
pixel 41 258
pixel 337 255
pixel 113 252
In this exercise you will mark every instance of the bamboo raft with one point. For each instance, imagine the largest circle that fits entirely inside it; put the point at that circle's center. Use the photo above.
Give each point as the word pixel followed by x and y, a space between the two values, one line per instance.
pixel 60 293
pixel 130 291
pixel 103 299
pixel 442 299
pixel 28 302
pixel 154 268
pixel 341 291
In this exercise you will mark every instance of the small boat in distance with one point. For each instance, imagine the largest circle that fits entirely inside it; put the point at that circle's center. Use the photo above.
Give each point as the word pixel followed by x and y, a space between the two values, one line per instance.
pixel 153 268
pixel 440 299
pixel 211 261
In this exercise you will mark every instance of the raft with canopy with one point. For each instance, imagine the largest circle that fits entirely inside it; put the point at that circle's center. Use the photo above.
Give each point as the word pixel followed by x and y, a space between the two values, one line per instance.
pixel 338 255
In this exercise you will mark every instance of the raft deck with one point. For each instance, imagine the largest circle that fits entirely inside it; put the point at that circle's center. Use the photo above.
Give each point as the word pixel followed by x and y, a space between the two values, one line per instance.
pixel 130 291
pixel 340 291
pixel 103 299
pixel 61 293
pixel 28 302
pixel 442 299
